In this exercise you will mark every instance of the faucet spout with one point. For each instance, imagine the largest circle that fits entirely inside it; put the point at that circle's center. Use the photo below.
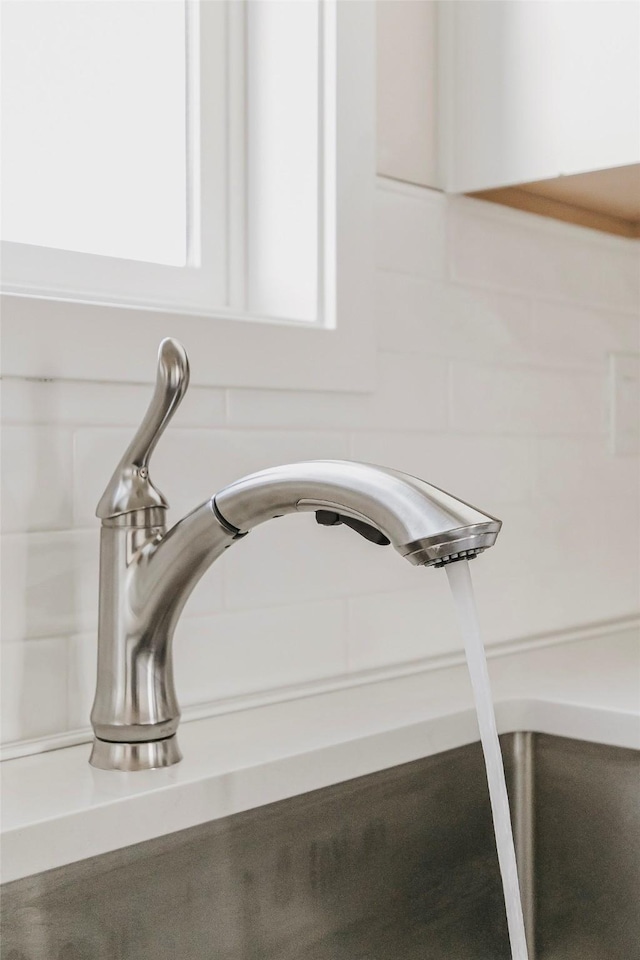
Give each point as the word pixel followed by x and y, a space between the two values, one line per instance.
pixel 147 576
pixel 147 573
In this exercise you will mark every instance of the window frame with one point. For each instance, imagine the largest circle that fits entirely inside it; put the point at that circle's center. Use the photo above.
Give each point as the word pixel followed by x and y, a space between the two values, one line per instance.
pixel 202 280
pixel 48 335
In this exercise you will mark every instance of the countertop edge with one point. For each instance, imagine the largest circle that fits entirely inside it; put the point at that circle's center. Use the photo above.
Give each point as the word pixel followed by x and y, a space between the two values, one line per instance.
pixel 109 811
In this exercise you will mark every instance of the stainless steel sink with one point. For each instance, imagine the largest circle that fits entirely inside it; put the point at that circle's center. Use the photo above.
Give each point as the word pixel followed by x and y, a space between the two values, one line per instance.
pixel 400 865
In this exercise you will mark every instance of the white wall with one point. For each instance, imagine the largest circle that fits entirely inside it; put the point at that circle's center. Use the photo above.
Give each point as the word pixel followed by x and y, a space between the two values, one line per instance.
pixel 494 329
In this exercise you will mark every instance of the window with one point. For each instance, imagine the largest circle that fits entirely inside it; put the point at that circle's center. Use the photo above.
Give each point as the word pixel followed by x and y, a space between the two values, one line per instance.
pixel 95 128
pixel 189 162
pixel 165 132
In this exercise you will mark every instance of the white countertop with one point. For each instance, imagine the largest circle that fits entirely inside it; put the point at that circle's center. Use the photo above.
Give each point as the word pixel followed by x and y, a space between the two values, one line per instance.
pixel 57 809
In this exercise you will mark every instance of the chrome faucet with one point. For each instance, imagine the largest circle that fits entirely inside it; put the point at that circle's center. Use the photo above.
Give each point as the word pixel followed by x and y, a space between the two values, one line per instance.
pixel 147 572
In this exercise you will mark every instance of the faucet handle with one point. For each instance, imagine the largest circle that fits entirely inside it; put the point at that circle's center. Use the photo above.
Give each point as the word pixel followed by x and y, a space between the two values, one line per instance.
pixel 130 488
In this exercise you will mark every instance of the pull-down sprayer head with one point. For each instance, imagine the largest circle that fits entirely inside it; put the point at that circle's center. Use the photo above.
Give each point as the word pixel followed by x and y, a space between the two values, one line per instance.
pixel 426 525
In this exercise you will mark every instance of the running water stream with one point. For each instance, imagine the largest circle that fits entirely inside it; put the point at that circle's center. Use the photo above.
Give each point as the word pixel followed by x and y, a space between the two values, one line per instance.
pixel 462 589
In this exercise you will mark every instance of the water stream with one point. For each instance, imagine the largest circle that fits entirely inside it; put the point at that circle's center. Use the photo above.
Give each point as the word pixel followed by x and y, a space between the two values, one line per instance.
pixel 462 589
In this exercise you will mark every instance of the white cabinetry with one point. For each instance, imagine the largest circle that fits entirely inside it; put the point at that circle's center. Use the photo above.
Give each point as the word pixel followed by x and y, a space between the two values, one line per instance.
pixel 533 90
pixel 407 86
pixel 531 103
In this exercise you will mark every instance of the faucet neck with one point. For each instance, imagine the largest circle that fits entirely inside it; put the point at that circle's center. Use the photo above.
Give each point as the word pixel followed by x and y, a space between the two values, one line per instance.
pixel 146 577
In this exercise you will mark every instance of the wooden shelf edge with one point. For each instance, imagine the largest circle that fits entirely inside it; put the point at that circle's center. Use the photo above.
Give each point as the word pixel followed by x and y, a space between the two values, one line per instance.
pixel 522 199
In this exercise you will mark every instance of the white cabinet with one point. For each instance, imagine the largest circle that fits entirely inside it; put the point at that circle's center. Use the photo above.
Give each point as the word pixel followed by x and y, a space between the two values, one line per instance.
pixel 533 90
pixel 407 89
pixel 532 103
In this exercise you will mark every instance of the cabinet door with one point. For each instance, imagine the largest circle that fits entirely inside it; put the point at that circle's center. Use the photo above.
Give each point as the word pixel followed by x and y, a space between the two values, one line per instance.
pixel 534 90
pixel 406 89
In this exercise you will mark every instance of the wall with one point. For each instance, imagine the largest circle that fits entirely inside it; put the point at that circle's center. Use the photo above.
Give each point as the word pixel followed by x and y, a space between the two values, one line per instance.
pixel 494 330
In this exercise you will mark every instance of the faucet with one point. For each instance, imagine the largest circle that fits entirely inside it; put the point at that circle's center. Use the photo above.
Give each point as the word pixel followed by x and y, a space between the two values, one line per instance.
pixel 147 572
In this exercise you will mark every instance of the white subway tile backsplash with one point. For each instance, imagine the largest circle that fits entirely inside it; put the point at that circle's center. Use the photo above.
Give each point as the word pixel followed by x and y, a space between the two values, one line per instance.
pixel 491 384
pixel 398 627
pixel 49 584
pixel 583 469
pixel 601 274
pixel 410 395
pixel 488 398
pixel 293 560
pixel 202 406
pixel 34 689
pixel 72 403
pixel 499 254
pixel 509 250
pixel 575 335
pixel 439 319
pixel 81 667
pixel 37 487
pixel 67 403
pixel 279 563
pixel 207 597
pixel 244 651
pixel 558 566
pixel 624 404
pixel 552 599
pixel 410 230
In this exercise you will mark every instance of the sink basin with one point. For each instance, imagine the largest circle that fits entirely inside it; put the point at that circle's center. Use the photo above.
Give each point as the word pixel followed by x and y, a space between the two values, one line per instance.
pixel 399 865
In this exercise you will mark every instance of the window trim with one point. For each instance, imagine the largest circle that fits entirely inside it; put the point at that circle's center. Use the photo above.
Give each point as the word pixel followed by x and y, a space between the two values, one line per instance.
pixel 59 338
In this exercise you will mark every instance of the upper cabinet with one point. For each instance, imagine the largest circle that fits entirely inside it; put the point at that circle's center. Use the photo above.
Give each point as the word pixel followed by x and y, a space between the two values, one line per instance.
pixel 536 90
pixel 537 103
pixel 407 84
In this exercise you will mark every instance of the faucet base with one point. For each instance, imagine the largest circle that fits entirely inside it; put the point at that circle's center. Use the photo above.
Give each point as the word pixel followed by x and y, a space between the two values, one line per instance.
pixel 147 755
